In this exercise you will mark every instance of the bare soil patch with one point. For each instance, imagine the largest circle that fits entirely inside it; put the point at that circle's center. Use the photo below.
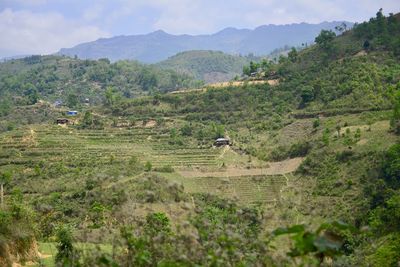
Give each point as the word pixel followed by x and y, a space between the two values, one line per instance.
pixel 150 124
pixel 362 142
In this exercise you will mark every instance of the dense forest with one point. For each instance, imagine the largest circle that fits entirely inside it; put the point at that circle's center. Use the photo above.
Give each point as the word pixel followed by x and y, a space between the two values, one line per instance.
pixel 136 181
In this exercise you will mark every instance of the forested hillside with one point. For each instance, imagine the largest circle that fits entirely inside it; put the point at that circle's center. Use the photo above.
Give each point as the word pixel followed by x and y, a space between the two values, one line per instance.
pixel 24 81
pixel 310 178
pixel 208 66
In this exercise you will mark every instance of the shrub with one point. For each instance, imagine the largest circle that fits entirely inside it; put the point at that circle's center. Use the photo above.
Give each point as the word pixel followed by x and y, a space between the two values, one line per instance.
pixel 344 155
pixel 300 149
pixel 186 130
pixel 65 251
pixel 316 123
pixel 148 166
pixel 279 153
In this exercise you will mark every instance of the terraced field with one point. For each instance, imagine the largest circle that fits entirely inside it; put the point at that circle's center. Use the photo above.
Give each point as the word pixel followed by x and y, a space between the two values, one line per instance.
pixel 88 151
pixel 245 189
pixel 96 147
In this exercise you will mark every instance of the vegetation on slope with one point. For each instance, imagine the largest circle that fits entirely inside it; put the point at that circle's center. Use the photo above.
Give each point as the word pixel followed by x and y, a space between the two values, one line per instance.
pixel 208 66
pixel 115 176
pixel 25 81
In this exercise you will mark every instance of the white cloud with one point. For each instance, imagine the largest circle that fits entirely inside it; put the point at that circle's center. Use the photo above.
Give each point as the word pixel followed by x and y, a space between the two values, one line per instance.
pixel 31 2
pixel 25 32
pixel 186 16
pixel 93 12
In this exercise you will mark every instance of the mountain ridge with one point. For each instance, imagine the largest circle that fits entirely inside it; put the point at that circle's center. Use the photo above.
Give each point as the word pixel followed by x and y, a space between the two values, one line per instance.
pixel 160 45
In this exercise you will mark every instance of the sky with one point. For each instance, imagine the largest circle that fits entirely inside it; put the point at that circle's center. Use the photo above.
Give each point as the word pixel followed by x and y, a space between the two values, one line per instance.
pixel 45 26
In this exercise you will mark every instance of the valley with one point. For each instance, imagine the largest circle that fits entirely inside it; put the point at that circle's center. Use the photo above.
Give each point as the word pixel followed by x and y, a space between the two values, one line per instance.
pixel 118 164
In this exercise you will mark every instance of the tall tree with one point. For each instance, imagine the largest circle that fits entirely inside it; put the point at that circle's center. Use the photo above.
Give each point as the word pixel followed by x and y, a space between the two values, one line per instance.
pixel 325 38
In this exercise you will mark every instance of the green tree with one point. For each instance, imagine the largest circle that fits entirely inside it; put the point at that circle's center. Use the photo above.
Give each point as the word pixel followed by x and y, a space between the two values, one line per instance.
pixel 87 119
pixel 325 38
pixel 292 55
pixel 5 178
pixel 218 130
pixel 31 93
pixel 246 70
pixel 65 251
pixel 72 100
pixel 5 107
pixel 307 94
pixel 395 120
pixel 253 67
pixel 109 94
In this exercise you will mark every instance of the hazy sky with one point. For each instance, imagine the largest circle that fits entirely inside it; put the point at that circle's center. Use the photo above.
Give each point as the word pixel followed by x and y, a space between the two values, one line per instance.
pixel 45 26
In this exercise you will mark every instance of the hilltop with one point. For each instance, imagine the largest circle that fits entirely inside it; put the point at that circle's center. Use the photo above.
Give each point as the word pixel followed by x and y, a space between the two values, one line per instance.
pixel 51 78
pixel 159 45
pixel 208 66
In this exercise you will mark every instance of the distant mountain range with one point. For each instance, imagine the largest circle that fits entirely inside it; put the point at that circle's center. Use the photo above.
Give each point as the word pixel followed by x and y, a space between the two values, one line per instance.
pixel 159 45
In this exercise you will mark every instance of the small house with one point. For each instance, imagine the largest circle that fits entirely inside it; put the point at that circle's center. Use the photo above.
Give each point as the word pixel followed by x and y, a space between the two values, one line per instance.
pixel 58 103
pixel 72 113
pixel 222 142
pixel 62 121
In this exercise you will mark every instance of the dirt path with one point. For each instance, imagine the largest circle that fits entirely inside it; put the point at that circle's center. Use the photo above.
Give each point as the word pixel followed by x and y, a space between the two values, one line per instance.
pixel 275 168
pixel 227 84
pixel 240 83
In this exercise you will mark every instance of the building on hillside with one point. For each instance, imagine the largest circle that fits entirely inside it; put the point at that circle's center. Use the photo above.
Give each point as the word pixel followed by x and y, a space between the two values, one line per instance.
pixel 72 113
pixel 58 103
pixel 253 74
pixel 222 142
pixel 62 121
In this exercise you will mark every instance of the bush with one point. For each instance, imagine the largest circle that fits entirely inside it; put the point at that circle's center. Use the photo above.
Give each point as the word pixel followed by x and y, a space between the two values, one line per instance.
pixel 186 130
pixel 279 153
pixel 148 166
pixel 300 149
pixel 65 251
pixel 344 156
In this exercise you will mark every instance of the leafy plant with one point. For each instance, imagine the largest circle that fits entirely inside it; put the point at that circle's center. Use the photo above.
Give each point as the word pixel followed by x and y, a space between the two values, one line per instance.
pixel 326 241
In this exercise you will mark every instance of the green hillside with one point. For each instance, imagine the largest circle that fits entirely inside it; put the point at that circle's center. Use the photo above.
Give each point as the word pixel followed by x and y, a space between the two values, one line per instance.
pixel 311 177
pixel 49 78
pixel 208 66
